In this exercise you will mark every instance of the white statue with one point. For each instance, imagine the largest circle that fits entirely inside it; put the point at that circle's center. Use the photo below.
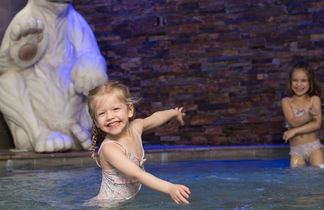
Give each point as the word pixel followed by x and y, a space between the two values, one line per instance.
pixel 49 60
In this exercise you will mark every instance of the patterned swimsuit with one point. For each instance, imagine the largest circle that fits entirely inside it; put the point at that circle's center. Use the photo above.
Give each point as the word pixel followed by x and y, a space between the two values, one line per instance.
pixel 299 112
pixel 115 186
pixel 304 150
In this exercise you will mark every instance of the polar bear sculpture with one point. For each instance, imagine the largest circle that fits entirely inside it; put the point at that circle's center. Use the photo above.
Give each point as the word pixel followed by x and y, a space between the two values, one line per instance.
pixel 49 60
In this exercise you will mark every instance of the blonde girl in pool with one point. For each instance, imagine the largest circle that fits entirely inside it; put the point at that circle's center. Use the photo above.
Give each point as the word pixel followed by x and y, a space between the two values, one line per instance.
pixel 121 154
pixel 303 114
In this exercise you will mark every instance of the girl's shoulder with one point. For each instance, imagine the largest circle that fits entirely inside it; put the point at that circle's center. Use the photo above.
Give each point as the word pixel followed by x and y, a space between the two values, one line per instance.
pixel 111 148
pixel 108 144
pixel 286 100
pixel 315 99
pixel 137 124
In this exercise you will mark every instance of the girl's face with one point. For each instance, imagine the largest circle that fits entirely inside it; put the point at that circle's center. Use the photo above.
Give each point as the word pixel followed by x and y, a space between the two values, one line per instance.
pixel 299 82
pixel 112 115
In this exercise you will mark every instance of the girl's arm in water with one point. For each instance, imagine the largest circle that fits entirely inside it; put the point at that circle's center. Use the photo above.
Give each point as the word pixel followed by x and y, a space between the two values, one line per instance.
pixel 117 158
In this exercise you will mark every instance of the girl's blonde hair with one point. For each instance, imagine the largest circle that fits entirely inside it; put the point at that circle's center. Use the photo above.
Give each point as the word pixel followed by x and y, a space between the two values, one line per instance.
pixel 314 87
pixel 115 87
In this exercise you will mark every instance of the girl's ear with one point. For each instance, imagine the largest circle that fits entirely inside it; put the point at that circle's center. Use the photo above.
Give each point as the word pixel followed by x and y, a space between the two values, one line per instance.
pixel 130 110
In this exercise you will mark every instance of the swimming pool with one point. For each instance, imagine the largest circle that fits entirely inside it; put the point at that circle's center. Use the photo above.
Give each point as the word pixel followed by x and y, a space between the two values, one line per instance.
pixel 215 184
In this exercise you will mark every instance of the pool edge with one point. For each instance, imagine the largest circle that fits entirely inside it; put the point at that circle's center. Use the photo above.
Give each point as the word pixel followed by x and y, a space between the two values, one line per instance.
pixel 31 160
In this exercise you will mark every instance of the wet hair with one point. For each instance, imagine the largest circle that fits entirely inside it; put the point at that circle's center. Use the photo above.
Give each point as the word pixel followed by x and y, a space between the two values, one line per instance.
pixel 115 87
pixel 314 87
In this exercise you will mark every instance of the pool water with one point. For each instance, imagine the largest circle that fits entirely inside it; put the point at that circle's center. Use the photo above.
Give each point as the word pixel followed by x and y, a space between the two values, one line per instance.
pixel 232 184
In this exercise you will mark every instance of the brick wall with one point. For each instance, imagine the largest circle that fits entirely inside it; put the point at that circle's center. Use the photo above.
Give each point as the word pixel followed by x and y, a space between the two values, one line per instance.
pixel 225 61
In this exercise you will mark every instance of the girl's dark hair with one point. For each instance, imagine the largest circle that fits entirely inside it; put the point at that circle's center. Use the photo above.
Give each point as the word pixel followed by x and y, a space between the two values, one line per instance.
pixel 314 87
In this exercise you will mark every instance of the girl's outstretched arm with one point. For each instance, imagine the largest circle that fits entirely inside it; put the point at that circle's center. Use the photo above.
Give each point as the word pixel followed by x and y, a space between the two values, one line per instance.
pixel 117 158
pixel 311 126
pixel 161 117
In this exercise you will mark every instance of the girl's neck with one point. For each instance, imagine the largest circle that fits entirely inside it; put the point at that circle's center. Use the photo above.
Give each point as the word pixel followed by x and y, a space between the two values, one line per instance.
pixel 302 97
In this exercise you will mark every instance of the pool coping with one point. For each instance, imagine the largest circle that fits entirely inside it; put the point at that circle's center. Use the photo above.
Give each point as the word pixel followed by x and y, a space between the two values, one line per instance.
pixel 153 153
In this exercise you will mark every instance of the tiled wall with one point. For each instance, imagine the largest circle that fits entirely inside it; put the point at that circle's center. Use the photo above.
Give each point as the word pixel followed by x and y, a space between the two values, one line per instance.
pixel 225 61
pixel 8 8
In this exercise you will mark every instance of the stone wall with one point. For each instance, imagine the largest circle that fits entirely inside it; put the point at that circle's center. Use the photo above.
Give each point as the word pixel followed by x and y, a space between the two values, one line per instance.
pixel 225 61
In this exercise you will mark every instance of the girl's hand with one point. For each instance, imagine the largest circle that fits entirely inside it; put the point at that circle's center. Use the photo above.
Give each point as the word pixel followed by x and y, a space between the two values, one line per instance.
pixel 179 193
pixel 93 155
pixel 180 115
pixel 289 134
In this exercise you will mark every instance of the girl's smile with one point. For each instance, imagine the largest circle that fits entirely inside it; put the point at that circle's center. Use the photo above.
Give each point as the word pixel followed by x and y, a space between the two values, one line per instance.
pixel 299 82
pixel 113 124
pixel 112 115
pixel 121 152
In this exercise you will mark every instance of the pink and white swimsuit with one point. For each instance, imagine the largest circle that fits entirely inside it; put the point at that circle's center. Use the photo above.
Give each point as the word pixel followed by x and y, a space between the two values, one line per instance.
pixel 304 150
pixel 115 186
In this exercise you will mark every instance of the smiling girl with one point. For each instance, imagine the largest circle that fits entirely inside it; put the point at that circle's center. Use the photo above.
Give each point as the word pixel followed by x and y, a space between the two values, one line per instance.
pixel 121 154
pixel 302 111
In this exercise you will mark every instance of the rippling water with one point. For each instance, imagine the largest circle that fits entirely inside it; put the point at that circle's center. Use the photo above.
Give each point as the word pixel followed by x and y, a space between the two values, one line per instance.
pixel 233 184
